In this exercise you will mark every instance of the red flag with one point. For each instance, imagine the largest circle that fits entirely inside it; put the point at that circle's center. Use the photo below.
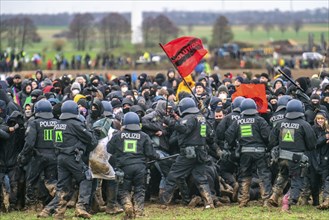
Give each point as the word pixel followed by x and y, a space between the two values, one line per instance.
pixel 255 92
pixel 185 53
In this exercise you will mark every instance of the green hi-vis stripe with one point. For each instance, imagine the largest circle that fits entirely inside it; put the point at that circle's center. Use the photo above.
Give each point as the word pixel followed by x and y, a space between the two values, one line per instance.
pixel 246 130
pixel 48 135
pixel 203 130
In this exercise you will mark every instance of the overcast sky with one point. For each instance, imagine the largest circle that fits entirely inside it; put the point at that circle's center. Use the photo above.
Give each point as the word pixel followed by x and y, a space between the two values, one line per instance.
pixel 72 6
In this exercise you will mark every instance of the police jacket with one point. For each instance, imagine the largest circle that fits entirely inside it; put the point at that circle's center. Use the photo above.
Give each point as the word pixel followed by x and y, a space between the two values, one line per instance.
pixel 224 125
pixel 294 135
pixel 277 116
pixel 71 134
pixel 39 135
pixel 131 147
pixel 192 130
pixel 249 130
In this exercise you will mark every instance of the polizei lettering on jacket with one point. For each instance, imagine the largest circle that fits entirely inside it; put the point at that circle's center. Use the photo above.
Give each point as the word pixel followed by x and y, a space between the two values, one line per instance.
pixel 277 117
pixel 48 123
pixel 246 121
pixel 60 127
pixel 130 135
pixel 289 125
pixel 186 52
pixel 235 117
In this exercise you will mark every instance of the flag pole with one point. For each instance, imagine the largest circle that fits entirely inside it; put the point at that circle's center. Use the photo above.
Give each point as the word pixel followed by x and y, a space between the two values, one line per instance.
pixel 188 86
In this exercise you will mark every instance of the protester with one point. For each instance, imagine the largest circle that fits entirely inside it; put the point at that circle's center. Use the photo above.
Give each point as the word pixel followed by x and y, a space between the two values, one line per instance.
pixel 214 175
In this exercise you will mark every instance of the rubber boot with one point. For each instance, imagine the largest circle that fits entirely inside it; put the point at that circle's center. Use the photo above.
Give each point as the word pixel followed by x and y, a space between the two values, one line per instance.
pixel 184 191
pixel 51 187
pixel 128 206
pixel 316 199
pixel 112 207
pixel 304 201
pixel 195 201
pixel 74 199
pixel 85 188
pixel 166 197
pixel 324 205
pixel 45 213
pixel 285 203
pixel 244 195
pixel 274 200
pixel 206 196
pixel 61 206
pixel 235 192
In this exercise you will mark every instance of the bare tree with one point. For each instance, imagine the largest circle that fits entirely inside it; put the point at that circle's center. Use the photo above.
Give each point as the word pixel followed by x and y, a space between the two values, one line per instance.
pixel 268 27
pixel 165 28
pixel 81 30
pixel 297 25
pixel 283 26
pixel 158 30
pixel 222 32
pixel 148 31
pixel 28 32
pixel 19 32
pixel 113 28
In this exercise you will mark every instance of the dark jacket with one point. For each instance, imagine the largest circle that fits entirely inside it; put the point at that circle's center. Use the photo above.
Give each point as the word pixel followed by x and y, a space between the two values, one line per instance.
pixel 131 147
pixel 224 125
pixel 11 147
pixel 249 130
pixel 190 129
pixel 71 134
pixel 39 136
pixel 320 159
pixel 277 116
pixel 154 121
pixel 294 135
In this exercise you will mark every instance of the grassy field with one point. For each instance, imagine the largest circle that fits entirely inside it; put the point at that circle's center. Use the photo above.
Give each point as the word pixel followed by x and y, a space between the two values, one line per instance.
pixel 240 34
pixel 259 36
pixel 153 211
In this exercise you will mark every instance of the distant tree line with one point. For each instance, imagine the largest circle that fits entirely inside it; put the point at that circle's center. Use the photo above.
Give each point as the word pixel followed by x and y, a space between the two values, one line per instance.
pixel 182 17
pixel 113 29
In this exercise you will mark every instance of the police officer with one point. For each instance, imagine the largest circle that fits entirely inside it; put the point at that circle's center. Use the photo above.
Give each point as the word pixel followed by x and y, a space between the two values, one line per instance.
pixel 112 206
pixel 72 140
pixel 192 132
pixel 39 143
pixel 228 165
pixel 251 131
pixel 294 136
pixel 281 109
pixel 130 147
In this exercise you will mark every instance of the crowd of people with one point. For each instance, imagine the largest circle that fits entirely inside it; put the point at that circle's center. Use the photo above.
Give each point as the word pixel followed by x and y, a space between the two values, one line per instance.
pixel 20 61
pixel 169 145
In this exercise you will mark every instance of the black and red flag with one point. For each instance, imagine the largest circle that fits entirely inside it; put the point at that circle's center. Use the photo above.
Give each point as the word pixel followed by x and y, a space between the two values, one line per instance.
pixel 254 91
pixel 185 53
